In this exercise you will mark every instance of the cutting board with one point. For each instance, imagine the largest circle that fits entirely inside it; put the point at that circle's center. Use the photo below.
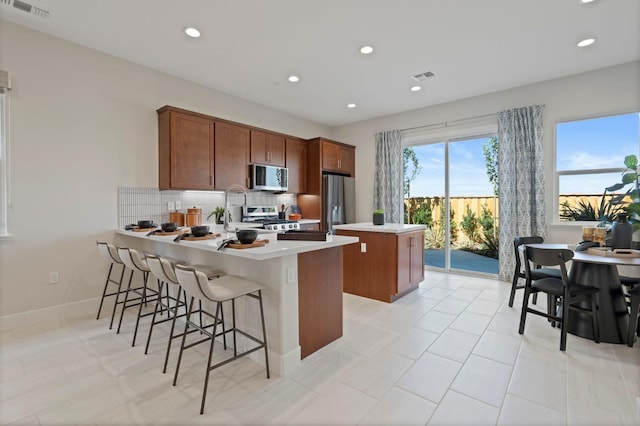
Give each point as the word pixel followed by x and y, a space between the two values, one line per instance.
pixel 136 229
pixel 256 243
pixel 206 237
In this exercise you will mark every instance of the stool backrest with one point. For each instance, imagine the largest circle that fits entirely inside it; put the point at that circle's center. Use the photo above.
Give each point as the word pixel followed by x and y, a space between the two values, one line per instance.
pixel 108 252
pixel 132 259
pixel 197 285
pixel 162 269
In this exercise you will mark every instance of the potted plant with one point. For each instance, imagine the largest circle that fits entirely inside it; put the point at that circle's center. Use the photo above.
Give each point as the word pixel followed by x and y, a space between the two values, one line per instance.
pixel 629 177
pixel 218 212
pixel 378 217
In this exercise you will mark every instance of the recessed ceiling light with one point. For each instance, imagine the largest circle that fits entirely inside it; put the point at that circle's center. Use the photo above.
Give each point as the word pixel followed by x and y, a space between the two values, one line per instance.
pixel 365 50
pixel 586 42
pixel 586 1
pixel 192 32
pixel 416 88
pixel 351 105
pixel 294 78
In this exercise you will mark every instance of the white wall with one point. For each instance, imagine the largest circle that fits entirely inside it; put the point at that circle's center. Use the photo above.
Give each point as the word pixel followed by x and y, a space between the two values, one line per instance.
pixel 602 92
pixel 83 124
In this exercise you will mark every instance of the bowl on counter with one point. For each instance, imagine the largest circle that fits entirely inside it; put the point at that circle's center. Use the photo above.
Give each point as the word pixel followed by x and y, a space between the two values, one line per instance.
pixel 246 236
pixel 200 230
pixel 169 226
pixel 146 224
pixel 295 216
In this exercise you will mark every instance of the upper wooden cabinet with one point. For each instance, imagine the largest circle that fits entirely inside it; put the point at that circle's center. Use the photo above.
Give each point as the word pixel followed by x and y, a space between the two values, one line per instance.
pixel 267 148
pixel 186 150
pixel 296 163
pixel 231 155
pixel 338 157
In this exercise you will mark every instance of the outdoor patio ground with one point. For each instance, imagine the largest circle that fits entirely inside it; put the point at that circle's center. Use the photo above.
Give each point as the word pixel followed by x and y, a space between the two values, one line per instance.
pixel 462 260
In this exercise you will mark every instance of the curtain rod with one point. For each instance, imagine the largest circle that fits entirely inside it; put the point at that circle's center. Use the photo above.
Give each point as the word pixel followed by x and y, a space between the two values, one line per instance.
pixel 446 123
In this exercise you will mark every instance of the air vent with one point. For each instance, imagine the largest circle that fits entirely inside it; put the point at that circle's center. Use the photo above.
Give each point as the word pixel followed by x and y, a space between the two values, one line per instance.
pixel 26 7
pixel 427 75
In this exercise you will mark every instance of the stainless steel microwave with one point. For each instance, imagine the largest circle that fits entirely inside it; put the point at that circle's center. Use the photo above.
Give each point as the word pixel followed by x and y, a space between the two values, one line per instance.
pixel 268 178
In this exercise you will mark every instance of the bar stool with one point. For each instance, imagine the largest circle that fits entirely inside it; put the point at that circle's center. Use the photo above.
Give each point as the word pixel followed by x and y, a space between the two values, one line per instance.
pixel 134 261
pixel 109 254
pixel 162 269
pixel 634 303
pixel 226 288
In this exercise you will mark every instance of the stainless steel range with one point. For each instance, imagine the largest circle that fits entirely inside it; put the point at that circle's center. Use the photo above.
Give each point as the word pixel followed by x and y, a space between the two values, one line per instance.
pixel 267 216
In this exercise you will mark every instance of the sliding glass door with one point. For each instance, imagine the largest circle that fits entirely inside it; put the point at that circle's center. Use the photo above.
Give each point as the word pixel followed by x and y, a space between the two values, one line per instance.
pixel 451 187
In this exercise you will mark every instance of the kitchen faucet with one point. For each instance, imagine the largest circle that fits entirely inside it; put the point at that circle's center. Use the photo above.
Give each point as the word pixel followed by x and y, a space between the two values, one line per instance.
pixel 238 189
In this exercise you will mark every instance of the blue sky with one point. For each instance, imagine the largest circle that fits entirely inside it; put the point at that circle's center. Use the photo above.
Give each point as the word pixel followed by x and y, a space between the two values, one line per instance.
pixel 586 144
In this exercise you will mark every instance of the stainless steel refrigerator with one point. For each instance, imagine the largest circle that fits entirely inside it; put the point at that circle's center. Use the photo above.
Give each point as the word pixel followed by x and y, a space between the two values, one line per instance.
pixel 338 201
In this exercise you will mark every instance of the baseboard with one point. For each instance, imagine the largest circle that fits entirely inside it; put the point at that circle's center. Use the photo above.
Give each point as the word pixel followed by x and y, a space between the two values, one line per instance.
pixel 48 315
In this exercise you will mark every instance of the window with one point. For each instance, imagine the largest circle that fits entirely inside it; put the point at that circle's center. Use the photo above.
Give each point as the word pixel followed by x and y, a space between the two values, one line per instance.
pixel 589 158
pixel 4 165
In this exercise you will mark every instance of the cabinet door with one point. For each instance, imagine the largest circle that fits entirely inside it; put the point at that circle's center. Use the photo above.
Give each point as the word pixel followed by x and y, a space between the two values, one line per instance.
pixel 276 149
pixel 267 148
pixel 347 161
pixel 258 147
pixel 231 155
pixel 330 156
pixel 189 147
pixel 404 262
pixel 296 163
pixel 417 258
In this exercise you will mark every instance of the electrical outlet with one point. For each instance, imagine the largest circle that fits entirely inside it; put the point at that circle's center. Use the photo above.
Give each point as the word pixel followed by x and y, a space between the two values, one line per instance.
pixel 363 247
pixel 171 205
pixel 178 205
pixel 54 277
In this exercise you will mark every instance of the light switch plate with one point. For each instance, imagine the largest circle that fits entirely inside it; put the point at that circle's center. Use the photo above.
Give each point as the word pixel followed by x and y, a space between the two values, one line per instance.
pixel 178 205
pixel 171 205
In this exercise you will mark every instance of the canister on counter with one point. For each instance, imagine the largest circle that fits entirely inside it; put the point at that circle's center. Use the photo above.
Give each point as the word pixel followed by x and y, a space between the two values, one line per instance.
pixel 194 217
pixel 177 217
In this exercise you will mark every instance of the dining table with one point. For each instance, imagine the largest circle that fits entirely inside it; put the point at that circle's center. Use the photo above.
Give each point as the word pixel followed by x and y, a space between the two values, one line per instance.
pixel 599 270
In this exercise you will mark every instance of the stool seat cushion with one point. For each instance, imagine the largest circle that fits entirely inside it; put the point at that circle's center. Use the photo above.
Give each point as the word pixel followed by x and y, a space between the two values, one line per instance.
pixel 555 287
pixel 228 287
pixel 210 272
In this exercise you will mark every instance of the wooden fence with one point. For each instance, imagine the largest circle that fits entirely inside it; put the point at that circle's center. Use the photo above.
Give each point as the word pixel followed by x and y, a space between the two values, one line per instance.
pixel 459 204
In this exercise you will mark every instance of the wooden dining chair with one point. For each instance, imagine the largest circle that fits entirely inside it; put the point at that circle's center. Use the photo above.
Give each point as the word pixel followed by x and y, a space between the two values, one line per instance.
pixel 558 290
pixel 519 272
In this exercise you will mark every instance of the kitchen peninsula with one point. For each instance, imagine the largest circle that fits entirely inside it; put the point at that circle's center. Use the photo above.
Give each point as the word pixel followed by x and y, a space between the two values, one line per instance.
pixel 387 264
pixel 303 280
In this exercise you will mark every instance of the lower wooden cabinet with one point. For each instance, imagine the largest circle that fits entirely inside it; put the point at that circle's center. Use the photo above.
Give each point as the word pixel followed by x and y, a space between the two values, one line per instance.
pixel 319 298
pixel 390 266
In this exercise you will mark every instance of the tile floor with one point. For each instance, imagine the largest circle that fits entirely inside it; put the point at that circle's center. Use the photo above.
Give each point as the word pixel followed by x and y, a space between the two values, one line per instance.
pixel 446 354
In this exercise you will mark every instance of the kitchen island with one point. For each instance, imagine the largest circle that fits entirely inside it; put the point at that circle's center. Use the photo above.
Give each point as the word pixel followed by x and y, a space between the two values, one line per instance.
pixel 387 264
pixel 303 280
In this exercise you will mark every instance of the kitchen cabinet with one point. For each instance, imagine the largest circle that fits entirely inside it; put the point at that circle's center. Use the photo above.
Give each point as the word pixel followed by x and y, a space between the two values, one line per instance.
pixel 267 148
pixel 337 157
pixel 296 164
pixel 311 202
pixel 231 155
pixel 388 266
pixel 319 299
pixel 185 150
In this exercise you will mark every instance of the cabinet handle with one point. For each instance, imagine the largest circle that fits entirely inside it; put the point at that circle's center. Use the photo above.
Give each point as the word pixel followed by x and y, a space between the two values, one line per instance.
pixel 211 180
pixel 339 165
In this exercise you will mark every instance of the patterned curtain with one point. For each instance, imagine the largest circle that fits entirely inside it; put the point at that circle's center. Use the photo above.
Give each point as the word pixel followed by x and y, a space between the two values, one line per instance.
pixel 520 179
pixel 387 184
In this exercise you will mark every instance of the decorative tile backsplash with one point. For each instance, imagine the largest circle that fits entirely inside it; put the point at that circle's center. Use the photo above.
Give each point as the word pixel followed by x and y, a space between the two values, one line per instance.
pixel 136 204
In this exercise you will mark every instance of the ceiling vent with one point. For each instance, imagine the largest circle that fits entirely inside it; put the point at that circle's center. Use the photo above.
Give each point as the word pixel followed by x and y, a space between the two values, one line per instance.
pixel 427 75
pixel 26 7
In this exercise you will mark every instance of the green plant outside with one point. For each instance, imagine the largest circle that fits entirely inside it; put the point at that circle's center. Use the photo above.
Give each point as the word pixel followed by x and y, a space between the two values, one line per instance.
pixel 629 177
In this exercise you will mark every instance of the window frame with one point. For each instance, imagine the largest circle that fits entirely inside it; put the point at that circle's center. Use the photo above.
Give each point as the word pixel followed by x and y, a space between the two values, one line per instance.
pixel 5 166
pixel 557 174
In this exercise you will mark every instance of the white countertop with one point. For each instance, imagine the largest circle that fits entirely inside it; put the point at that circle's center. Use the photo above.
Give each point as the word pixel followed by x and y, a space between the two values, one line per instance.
pixel 275 248
pixel 393 228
